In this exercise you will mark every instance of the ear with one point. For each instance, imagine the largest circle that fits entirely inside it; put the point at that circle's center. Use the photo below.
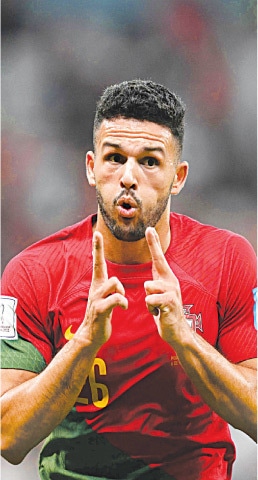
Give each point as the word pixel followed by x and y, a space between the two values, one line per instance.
pixel 90 168
pixel 180 177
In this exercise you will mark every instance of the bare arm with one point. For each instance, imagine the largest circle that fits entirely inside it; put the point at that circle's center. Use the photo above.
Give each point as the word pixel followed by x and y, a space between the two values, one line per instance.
pixel 229 389
pixel 33 405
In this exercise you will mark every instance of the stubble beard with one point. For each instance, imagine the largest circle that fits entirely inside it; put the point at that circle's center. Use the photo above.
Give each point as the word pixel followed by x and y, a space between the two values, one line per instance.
pixel 132 232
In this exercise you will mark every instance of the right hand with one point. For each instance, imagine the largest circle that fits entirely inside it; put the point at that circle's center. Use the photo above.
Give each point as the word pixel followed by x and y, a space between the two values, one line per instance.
pixel 104 294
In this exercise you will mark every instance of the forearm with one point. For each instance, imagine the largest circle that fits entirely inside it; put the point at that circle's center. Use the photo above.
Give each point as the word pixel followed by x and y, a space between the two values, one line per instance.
pixel 33 409
pixel 44 401
pixel 227 388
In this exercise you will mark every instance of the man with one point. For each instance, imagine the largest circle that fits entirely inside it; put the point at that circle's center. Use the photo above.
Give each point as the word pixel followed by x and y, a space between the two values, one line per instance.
pixel 142 385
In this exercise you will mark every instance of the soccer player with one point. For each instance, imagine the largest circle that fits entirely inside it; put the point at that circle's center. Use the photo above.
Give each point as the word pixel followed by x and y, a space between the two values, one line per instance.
pixel 128 338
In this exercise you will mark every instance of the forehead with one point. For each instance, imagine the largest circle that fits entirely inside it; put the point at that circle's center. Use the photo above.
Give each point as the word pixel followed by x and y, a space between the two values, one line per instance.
pixel 134 131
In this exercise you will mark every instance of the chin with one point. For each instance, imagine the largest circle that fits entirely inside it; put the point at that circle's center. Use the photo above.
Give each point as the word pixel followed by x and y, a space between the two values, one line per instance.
pixel 129 233
pixel 125 236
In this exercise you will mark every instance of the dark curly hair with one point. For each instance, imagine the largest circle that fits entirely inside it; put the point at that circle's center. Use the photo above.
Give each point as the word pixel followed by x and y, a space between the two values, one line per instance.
pixel 142 100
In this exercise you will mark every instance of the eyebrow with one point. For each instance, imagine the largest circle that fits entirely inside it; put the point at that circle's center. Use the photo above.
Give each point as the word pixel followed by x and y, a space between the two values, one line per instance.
pixel 145 149
pixel 110 144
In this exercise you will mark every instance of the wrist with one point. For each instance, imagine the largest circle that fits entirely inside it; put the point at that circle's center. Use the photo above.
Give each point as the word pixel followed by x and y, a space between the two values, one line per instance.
pixel 85 344
pixel 90 336
pixel 181 335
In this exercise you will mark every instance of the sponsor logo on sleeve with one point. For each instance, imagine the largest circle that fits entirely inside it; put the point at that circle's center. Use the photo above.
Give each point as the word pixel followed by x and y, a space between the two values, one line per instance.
pixel 8 319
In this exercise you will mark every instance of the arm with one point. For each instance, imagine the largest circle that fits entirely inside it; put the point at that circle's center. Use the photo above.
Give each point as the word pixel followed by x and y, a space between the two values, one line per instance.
pixel 43 401
pixel 229 389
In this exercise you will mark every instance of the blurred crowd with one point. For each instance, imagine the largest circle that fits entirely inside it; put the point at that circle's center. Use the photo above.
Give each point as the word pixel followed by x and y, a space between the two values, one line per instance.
pixel 59 55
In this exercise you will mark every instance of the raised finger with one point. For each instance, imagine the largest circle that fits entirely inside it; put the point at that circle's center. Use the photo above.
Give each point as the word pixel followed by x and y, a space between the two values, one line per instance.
pixel 99 272
pixel 160 265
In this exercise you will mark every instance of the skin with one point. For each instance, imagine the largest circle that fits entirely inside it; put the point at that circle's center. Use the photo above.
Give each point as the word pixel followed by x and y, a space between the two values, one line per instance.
pixel 144 166
pixel 121 163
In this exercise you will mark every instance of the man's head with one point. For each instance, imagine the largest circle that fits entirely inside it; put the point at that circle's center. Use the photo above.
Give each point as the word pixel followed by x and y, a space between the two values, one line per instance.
pixel 136 165
pixel 142 100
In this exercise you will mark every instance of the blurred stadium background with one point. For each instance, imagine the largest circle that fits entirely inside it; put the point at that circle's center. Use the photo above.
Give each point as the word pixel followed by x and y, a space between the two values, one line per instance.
pixel 59 55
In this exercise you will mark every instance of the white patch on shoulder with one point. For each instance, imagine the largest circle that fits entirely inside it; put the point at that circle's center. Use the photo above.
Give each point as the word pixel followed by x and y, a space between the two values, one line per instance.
pixel 8 320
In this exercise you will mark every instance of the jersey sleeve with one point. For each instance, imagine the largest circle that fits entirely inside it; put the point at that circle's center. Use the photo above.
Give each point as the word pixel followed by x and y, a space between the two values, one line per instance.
pixel 237 338
pixel 21 355
pixel 31 303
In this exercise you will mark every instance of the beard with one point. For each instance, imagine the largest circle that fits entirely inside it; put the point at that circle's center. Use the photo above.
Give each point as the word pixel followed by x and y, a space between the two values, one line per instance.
pixel 132 232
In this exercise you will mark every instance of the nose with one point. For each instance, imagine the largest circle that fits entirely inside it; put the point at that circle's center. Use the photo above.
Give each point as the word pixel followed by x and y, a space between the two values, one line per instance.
pixel 128 178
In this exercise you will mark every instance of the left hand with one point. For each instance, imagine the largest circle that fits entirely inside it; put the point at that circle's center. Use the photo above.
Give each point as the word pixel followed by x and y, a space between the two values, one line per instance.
pixel 163 294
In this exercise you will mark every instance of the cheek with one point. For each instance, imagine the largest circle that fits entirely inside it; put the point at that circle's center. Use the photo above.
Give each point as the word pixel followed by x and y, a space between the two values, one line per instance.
pixel 104 181
pixel 106 189
pixel 160 180
pixel 159 187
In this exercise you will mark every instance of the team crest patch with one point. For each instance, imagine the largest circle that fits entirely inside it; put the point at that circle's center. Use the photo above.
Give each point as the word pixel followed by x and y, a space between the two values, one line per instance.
pixel 194 320
pixel 8 320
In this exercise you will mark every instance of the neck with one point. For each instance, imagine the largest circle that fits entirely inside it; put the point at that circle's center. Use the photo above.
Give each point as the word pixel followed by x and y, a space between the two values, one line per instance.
pixel 118 251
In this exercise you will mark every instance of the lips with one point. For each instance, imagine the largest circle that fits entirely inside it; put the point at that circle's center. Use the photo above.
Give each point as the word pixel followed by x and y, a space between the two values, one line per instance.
pixel 127 202
pixel 126 206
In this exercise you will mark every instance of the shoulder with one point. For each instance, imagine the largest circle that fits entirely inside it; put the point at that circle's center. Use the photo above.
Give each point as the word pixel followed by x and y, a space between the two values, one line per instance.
pixel 208 253
pixel 189 232
pixel 52 252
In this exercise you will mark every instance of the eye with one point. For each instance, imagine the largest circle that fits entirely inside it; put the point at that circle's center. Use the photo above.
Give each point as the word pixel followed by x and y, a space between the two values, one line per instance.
pixel 150 162
pixel 116 158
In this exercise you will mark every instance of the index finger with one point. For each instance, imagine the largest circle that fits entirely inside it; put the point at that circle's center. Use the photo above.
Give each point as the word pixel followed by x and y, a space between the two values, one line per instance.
pixel 99 272
pixel 159 261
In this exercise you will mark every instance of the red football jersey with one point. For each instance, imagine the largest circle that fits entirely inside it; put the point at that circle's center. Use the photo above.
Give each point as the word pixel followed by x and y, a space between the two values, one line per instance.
pixel 138 397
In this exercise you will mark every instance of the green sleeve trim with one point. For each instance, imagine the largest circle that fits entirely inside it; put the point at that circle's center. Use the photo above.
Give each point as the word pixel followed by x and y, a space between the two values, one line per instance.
pixel 21 355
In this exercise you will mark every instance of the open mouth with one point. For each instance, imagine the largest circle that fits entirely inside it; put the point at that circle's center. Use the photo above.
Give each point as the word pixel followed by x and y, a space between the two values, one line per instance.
pixel 127 202
pixel 127 206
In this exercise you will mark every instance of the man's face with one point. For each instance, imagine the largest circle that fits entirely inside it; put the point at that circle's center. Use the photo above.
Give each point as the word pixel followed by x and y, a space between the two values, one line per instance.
pixel 133 169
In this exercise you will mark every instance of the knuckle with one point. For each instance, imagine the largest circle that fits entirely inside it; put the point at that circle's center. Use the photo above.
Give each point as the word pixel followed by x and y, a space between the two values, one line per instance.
pixel 114 281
